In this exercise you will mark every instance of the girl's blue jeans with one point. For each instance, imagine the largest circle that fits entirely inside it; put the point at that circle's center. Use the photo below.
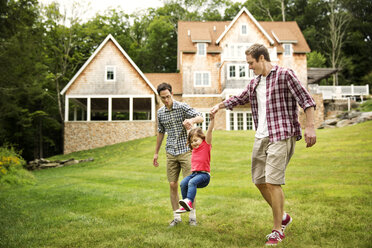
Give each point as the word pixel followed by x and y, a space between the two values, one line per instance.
pixel 193 181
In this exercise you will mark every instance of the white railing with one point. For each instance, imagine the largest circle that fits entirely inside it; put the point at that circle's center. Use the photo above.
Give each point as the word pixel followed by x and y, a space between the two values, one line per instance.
pixel 340 92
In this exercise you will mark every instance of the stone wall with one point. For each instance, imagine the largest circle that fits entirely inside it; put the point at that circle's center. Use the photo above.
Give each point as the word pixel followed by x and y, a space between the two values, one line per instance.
pixel 335 107
pixel 88 135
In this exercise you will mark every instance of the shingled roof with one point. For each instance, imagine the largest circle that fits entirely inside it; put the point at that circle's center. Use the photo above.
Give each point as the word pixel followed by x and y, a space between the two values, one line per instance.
pixel 189 31
pixel 173 79
pixel 210 32
pixel 286 32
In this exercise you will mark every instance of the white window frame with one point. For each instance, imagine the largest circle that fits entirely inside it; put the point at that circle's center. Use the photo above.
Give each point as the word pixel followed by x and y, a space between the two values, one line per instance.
pixel 106 71
pixel 235 127
pixel 246 29
pixel 290 50
pixel 203 84
pixel 201 52
pixel 231 51
pixel 204 125
pixel 248 72
pixel 109 97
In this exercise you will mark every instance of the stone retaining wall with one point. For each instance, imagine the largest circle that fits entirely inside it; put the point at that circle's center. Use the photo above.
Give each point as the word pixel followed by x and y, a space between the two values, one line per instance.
pixel 88 135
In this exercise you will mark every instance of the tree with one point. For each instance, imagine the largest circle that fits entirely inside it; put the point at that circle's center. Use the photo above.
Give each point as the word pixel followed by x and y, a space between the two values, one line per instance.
pixel 23 79
pixel 337 24
pixel 316 59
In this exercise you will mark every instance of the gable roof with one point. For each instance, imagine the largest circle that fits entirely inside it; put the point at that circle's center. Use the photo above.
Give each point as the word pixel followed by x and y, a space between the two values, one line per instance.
pixel 173 79
pixel 286 32
pixel 189 31
pixel 109 37
pixel 253 20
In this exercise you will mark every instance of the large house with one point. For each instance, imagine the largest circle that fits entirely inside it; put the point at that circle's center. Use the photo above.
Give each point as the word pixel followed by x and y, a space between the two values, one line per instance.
pixel 110 100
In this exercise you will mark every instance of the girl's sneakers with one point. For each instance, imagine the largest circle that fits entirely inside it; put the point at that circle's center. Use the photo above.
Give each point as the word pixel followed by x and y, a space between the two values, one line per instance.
pixel 186 204
pixel 180 210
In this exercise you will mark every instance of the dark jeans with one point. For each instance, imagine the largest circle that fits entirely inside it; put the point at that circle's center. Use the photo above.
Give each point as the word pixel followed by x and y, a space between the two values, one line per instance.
pixel 193 181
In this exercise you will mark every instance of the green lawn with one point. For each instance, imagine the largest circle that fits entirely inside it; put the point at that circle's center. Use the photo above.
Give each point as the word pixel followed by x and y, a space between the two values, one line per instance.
pixel 121 200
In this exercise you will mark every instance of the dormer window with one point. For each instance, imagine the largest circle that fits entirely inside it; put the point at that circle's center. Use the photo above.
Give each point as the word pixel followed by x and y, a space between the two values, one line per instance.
pixel 201 49
pixel 244 30
pixel 287 50
pixel 110 74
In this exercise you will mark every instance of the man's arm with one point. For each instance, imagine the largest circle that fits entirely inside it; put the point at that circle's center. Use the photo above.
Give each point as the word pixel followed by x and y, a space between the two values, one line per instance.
pixel 310 136
pixel 159 140
pixel 189 123
pixel 216 107
pixel 208 137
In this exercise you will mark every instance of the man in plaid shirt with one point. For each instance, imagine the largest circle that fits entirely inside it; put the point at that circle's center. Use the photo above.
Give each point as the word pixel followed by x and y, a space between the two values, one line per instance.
pixel 173 118
pixel 273 95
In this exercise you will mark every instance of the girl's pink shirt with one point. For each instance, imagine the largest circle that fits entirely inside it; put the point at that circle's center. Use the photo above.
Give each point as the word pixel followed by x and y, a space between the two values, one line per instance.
pixel 201 157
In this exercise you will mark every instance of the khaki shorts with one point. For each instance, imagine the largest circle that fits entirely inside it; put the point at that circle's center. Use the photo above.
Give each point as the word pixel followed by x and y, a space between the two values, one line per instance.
pixel 269 160
pixel 176 163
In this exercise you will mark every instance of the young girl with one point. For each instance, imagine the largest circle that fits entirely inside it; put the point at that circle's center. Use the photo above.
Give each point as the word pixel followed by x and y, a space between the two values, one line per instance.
pixel 201 146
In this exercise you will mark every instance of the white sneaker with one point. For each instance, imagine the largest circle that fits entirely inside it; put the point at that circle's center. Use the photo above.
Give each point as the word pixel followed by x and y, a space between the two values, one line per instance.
pixel 175 222
pixel 192 222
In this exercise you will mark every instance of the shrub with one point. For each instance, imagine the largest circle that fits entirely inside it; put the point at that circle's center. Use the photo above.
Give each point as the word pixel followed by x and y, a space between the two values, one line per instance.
pixel 366 106
pixel 11 168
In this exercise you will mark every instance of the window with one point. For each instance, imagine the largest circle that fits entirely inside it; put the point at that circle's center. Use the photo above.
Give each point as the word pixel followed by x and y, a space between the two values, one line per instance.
pixel 232 71
pixel 99 109
pixel 240 120
pixel 202 79
pixel 109 108
pixel 141 108
pixel 287 49
pixel 77 109
pixel 205 124
pixel 110 73
pixel 239 71
pixel 244 29
pixel 232 121
pixel 201 49
pixel 120 109
pixel 242 70
pixel 249 121
pixel 236 50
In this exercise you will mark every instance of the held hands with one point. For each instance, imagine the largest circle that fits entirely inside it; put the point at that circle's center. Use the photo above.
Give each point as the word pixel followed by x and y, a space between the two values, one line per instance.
pixel 214 109
pixel 310 136
pixel 188 124
pixel 155 160
pixel 211 116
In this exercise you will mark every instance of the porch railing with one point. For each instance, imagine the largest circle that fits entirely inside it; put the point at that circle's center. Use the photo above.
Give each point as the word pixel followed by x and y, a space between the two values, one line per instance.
pixel 340 92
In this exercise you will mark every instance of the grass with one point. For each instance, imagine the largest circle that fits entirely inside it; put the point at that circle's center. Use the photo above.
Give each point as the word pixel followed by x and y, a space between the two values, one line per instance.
pixel 121 200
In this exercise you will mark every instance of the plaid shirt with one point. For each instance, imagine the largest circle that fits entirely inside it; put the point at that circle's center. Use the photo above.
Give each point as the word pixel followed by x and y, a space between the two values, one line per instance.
pixel 283 92
pixel 170 121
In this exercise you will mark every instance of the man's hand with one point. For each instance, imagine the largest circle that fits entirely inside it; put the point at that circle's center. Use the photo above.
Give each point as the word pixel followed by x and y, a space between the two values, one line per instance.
pixel 310 136
pixel 155 161
pixel 188 124
pixel 214 109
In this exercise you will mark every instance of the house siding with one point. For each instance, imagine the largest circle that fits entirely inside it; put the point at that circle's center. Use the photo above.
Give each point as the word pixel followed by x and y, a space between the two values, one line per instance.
pixel 92 80
pixel 191 64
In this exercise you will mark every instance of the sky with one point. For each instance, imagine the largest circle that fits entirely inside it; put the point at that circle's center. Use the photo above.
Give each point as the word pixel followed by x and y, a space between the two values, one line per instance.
pixel 99 6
